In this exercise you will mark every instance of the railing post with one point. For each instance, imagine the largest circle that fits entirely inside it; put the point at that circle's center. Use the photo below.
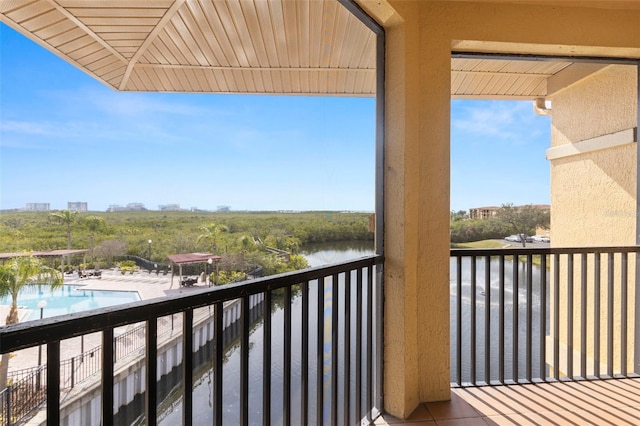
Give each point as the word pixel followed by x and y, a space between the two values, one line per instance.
pixel 53 383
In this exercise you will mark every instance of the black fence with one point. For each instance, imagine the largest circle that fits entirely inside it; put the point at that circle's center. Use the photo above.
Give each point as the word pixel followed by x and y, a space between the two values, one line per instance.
pixel 555 314
pixel 337 340
pixel 28 389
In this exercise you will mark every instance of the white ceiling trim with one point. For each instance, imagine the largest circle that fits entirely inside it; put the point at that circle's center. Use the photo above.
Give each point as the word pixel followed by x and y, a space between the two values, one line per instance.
pixel 241 68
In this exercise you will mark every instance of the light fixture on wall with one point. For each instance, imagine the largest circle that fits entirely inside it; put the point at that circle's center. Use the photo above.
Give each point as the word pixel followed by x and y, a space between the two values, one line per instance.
pixel 542 106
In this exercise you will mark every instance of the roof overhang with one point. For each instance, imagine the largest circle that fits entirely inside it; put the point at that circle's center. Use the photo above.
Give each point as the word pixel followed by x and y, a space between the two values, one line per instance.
pixel 50 253
pixel 278 46
pixel 305 47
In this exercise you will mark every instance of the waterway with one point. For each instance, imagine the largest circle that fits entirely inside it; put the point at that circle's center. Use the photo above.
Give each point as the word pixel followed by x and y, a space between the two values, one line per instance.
pixel 318 255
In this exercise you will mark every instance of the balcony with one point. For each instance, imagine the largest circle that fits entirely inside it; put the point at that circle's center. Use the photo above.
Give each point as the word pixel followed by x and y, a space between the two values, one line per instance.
pixel 255 346
pixel 561 333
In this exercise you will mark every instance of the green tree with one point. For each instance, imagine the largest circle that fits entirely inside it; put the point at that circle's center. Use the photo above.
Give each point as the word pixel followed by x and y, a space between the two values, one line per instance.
pixel 524 219
pixel 93 223
pixel 66 218
pixel 210 233
pixel 456 216
pixel 16 274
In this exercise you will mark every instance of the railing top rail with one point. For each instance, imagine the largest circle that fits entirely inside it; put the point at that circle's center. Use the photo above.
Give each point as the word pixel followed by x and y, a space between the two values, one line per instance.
pixel 40 332
pixel 541 251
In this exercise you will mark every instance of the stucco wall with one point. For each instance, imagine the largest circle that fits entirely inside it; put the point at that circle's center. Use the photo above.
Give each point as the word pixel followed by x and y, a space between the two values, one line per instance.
pixel 593 195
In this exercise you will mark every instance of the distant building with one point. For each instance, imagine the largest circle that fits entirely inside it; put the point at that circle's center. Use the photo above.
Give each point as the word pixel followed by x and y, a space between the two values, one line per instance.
pixel 131 207
pixel 170 207
pixel 38 207
pixel 78 206
pixel 224 209
pixel 492 211
pixel 483 212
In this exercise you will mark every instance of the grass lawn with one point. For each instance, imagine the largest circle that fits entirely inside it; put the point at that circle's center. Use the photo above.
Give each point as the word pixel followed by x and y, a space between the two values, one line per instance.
pixel 482 244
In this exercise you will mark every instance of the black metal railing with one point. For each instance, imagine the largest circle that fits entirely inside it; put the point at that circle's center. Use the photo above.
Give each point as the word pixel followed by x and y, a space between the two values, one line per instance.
pixel 329 348
pixel 22 396
pixel 554 314
pixel 28 383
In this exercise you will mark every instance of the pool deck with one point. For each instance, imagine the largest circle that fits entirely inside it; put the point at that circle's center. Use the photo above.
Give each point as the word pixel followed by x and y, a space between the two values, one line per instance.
pixel 148 286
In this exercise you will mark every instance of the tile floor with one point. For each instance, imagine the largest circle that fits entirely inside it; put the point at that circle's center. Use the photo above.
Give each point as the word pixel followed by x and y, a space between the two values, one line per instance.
pixel 603 402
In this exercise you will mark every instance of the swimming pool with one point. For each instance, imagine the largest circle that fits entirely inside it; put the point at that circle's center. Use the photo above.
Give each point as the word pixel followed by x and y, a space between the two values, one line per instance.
pixel 68 299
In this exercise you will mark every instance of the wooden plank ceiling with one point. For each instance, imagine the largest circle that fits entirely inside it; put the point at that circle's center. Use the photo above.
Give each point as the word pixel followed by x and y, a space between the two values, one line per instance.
pixel 231 46
pixel 313 47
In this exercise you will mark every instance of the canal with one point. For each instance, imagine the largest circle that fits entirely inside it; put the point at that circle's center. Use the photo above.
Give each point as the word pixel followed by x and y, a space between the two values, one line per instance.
pixel 317 255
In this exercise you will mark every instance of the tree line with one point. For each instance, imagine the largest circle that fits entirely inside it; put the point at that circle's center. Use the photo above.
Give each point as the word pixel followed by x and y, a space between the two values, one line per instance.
pixel 154 235
pixel 508 219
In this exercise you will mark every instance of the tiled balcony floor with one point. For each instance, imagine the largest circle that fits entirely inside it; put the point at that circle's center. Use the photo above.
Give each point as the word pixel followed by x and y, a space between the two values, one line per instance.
pixel 603 402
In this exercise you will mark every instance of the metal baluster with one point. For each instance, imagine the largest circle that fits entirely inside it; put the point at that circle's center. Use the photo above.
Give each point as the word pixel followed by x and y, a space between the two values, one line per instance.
pixel 347 348
pixel 266 360
pixel 583 316
pixel 334 349
pixel 596 315
pixel 487 319
pixel 217 363
pixel 304 392
pixel 543 317
pixel 244 361
pixel 151 362
pixel 514 331
pixel 187 367
pixel 529 307
pixel 369 342
pixel 472 328
pixel 286 380
pixel 500 319
pixel 358 404
pixel 623 314
pixel 556 316
pixel 570 316
pixel 320 354
pixel 107 377
pixel 459 320
pixel 610 313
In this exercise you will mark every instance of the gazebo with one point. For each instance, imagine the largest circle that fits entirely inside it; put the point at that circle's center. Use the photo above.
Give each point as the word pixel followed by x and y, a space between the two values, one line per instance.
pixel 189 258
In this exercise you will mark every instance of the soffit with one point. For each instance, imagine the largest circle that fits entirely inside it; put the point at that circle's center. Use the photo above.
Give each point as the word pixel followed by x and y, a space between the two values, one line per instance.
pixel 516 79
pixel 311 47
pixel 230 46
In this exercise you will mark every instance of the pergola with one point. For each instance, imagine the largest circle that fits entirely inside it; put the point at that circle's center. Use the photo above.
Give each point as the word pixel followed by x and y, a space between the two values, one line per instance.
pixel 191 258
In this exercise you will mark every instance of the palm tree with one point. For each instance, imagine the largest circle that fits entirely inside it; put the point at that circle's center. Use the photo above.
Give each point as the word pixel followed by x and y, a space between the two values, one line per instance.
pixel 16 274
pixel 211 232
pixel 94 223
pixel 65 217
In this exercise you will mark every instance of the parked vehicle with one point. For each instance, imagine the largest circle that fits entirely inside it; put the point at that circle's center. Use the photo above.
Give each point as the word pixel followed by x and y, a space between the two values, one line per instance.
pixel 518 238
pixel 541 239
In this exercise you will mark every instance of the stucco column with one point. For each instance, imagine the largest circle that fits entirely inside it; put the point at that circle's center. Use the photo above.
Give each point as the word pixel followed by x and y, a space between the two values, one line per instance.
pixel 416 352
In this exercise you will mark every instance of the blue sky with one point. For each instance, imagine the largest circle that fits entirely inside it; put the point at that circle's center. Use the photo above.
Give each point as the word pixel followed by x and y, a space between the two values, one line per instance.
pixel 66 137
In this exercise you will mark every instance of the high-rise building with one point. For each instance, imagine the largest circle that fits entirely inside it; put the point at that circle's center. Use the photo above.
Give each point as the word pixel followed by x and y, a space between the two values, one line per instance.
pixel 38 207
pixel 78 206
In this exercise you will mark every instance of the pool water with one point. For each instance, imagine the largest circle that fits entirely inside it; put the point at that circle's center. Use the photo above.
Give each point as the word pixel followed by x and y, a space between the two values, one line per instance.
pixel 68 299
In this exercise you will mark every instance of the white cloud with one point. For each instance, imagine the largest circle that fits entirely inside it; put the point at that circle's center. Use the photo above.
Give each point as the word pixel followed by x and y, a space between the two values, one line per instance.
pixel 497 119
